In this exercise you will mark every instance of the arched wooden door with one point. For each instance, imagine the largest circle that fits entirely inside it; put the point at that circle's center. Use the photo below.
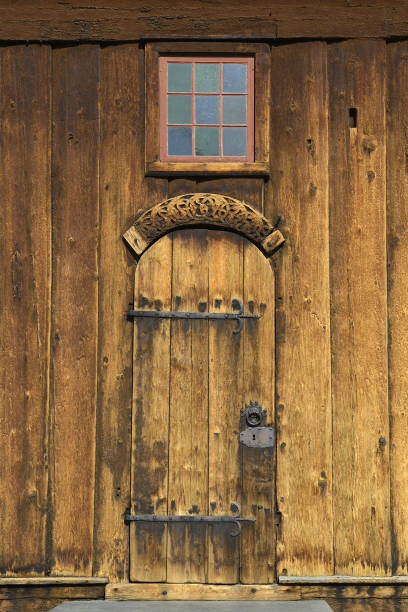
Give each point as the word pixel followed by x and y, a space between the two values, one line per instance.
pixel 192 380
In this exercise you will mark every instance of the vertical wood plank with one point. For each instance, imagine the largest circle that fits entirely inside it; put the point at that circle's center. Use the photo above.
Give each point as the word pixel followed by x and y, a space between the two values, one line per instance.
pixel 258 541
pixel 180 186
pixel 299 193
pixel 249 190
pixel 121 184
pixel 25 280
pixel 188 435
pixel 225 401
pixel 150 421
pixel 359 308
pixel 75 305
pixel 397 242
pixel 124 191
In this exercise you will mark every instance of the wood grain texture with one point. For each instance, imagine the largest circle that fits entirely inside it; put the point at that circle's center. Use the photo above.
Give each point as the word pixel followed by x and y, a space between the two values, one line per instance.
pixel 397 244
pixel 150 420
pixel 336 579
pixel 126 21
pixel 359 309
pixel 42 599
pixel 225 379
pixel 202 592
pixel 188 423
pixel 360 594
pixel 52 592
pixel 207 168
pixel 258 542
pixel 25 299
pixel 299 193
pixel 121 182
pixel 75 307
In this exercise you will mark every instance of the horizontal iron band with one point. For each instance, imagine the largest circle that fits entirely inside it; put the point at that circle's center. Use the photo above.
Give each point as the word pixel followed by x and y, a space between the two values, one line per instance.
pixel 173 314
pixel 188 518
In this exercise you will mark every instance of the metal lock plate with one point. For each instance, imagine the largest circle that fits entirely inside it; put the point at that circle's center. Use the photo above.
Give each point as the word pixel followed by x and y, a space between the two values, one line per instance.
pixel 258 437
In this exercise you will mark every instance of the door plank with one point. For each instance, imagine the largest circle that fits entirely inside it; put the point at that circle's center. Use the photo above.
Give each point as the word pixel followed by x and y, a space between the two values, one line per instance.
pixel 397 241
pixel 225 401
pixel 298 191
pixel 188 442
pixel 25 304
pixel 148 542
pixel 258 541
pixel 75 305
pixel 359 309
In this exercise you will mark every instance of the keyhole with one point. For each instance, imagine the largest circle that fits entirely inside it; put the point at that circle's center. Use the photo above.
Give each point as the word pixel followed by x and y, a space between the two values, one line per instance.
pixel 253 436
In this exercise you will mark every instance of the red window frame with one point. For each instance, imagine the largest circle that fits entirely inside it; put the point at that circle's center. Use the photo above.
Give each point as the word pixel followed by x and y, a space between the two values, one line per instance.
pixel 163 63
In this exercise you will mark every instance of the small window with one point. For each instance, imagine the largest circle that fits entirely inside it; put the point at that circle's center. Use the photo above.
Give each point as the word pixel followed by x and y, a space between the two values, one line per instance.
pixel 206 109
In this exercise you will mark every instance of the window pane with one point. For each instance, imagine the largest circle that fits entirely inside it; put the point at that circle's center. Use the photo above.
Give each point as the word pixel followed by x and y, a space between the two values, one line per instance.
pixel 207 109
pixel 207 141
pixel 234 141
pixel 179 109
pixel 180 140
pixel 234 78
pixel 207 77
pixel 180 76
pixel 234 109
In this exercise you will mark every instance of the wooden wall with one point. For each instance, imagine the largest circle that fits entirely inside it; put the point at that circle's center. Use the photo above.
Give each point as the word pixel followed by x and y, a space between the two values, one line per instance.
pixel 72 179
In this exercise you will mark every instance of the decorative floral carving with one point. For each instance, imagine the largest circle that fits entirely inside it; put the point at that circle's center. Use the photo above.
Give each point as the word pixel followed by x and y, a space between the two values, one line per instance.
pixel 203 209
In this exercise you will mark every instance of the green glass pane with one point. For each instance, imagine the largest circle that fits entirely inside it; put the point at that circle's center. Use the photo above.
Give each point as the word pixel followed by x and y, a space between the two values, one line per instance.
pixel 180 140
pixel 234 141
pixel 180 76
pixel 234 77
pixel 234 109
pixel 179 109
pixel 207 77
pixel 207 141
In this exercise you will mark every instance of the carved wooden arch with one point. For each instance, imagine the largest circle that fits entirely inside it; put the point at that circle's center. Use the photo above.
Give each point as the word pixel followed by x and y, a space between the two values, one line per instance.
pixel 209 209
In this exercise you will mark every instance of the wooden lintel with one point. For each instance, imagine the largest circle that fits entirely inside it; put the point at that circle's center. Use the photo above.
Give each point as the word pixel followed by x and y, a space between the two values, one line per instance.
pixel 56 21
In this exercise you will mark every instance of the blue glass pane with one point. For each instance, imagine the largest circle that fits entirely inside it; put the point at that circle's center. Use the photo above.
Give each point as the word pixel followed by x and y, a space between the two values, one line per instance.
pixel 234 141
pixel 234 78
pixel 180 140
pixel 207 109
pixel 207 77
pixel 234 109
pixel 180 76
pixel 180 109
pixel 207 141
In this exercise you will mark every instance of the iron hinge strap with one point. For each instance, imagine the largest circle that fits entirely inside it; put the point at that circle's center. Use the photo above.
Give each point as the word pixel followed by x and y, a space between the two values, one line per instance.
pixel 208 316
pixel 192 518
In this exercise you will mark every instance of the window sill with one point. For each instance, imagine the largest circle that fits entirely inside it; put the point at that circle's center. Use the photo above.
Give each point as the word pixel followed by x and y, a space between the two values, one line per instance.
pixel 159 168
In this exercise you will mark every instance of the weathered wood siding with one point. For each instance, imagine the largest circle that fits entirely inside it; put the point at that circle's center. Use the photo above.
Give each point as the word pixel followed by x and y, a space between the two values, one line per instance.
pixel 71 180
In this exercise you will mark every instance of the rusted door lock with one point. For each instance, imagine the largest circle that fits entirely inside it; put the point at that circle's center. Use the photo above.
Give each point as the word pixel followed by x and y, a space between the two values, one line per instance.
pixel 256 436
